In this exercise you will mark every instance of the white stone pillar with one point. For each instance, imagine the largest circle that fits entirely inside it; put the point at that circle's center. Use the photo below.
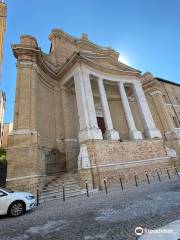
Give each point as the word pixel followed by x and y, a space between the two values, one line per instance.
pixel 133 132
pixel 85 104
pixel 150 129
pixel 110 133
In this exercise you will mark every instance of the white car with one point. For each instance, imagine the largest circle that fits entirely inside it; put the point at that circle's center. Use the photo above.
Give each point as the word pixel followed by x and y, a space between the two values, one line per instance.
pixel 15 203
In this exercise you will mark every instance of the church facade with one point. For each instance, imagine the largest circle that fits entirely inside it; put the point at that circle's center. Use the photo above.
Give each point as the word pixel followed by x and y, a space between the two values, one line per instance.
pixel 79 109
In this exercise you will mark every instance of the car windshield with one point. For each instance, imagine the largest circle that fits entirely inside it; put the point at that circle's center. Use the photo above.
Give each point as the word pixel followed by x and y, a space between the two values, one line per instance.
pixel 7 190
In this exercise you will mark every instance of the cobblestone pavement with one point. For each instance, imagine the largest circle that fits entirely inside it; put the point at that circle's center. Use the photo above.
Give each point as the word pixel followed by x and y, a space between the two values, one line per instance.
pixel 101 216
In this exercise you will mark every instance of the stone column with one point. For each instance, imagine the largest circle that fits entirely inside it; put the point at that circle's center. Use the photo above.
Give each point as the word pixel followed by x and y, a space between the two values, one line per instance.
pixel 165 117
pixel 25 111
pixel 133 132
pixel 110 133
pixel 150 129
pixel 86 110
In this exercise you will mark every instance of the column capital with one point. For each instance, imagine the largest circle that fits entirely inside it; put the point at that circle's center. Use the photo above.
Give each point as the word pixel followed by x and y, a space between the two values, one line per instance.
pixel 121 83
pixel 99 79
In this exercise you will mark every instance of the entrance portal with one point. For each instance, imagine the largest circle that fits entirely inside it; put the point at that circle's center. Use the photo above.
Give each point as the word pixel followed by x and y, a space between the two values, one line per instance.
pixel 101 124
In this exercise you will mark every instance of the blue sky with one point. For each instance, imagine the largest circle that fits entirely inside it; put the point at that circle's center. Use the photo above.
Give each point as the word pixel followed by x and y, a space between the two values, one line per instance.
pixel 145 32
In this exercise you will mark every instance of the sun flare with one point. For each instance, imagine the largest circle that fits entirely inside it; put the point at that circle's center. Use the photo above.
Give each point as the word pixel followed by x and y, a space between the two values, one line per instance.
pixel 123 60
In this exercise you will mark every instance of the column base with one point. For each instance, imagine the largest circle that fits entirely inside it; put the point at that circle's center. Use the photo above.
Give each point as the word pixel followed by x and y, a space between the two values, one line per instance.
pixel 89 134
pixel 153 133
pixel 111 135
pixel 135 134
pixel 83 158
pixel 173 134
pixel 85 175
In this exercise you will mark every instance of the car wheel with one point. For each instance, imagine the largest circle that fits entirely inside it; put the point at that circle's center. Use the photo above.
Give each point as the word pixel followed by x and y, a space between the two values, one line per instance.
pixel 16 208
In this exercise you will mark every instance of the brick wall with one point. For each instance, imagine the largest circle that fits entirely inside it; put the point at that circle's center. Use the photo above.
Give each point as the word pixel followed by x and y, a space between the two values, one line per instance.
pixel 114 159
pixel 106 152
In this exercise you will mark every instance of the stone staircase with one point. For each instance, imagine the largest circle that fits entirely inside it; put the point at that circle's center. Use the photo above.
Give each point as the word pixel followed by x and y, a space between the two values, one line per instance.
pixel 54 189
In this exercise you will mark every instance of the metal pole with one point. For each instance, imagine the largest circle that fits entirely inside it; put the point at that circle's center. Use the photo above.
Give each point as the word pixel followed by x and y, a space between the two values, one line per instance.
pixel 105 185
pixel 37 195
pixel 158 176
pixel 87 190
pixel 168 173
pixel 135 178
pixel 64 198
pixel 147 178
pixel 121 184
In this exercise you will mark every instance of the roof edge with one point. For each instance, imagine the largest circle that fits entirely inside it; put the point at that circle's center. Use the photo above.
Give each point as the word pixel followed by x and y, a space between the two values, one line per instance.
pixel 167 81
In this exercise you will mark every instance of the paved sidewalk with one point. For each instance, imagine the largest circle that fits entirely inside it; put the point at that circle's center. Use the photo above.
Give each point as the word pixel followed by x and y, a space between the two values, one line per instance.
pixel 101 216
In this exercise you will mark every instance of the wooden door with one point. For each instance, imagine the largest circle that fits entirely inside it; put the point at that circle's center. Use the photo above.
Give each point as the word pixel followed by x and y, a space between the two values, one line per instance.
pixel 101 124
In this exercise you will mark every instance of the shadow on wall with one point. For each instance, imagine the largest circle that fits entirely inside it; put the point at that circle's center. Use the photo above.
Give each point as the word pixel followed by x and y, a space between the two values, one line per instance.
pixel 55 162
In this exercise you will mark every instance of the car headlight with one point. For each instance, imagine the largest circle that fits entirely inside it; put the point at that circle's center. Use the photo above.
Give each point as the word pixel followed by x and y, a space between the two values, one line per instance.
pixel 29 197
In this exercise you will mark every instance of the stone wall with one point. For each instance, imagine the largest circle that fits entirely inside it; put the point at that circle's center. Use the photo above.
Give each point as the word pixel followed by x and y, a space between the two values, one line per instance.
pixel 172 96
pixel 114 159
pixel 116 152
pixel 71 129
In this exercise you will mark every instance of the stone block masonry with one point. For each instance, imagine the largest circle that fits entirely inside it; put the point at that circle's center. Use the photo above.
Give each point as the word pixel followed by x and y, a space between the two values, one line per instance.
pixel 114 159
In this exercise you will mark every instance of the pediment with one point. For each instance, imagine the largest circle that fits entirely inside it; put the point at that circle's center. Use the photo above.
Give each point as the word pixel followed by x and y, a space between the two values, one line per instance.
pixel 89 47
pixel 108 62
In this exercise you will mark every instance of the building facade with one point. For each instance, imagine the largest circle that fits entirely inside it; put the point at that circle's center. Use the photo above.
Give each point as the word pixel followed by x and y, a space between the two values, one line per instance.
pixel 7 129
pixel 80 110
pixel 3 13
pixel 2 109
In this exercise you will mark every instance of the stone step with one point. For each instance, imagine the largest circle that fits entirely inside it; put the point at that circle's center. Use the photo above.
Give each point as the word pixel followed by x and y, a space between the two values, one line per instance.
pixel 60 195
pixel 61 180
pixel 61 185
pixel 46 196
pixel 67 182
pixel 54 189
pixel 59 192
pixel 57 189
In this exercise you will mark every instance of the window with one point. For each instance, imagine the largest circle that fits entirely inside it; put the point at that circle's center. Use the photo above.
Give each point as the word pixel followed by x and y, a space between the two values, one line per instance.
pixel 6 190
pixel 2 194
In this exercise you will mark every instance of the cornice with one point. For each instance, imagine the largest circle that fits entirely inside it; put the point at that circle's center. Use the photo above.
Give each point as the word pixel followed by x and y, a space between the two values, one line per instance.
pixel 109 59
pixel 77 57
pixel 79 43
pixel 43 65
pixel 19 50
pixel 152 86
pixel 26 53
pixel 46 80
